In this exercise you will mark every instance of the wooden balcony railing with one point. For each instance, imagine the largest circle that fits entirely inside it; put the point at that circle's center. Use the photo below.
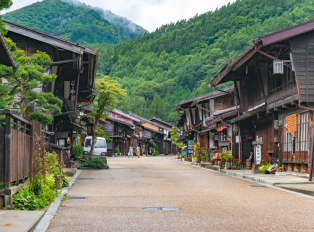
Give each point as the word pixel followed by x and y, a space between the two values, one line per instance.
pixel 287 86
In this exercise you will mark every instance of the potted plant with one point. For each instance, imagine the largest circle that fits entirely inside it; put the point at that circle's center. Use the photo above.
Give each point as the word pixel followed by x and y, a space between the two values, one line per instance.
pixel 281 171
pixel 197 153
pixel 116 151
pixel 77 151
pixel 236 163
pixel 228 158
pixel 182 157
pixel 265 166
pixel 204 154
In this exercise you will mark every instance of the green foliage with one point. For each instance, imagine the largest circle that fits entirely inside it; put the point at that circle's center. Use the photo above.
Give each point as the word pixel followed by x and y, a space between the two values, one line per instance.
pixel 204 155
pixel 26 200
pixel 175 134
pixel 30 75
pixel 77 151
pixel 99 132
pixel 40 193
pixel 95 163
pixel 79 25
pixel 155 152
pixel 226 155
pixel 116 150
pixel 152 144
pixel 65 181
pixel 3 5
pixel 264 167
pixel 180 58
pixel 107 90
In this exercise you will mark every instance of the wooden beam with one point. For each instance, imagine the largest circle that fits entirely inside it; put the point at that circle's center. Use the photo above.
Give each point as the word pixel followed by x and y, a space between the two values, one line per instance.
pixel 276 109
pixel 257 115
pixel 286 106
pixel 293 103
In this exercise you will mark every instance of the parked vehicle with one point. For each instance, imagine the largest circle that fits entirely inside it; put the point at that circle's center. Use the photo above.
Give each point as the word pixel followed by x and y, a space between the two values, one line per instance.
pixel 100 149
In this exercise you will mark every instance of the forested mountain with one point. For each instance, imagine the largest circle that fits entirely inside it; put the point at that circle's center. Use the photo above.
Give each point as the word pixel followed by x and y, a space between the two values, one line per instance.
pixel 176 61
pixel 75 21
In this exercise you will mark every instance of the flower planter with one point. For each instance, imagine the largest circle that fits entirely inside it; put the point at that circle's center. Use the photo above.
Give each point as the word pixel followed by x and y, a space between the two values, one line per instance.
pixel 190 159
pixel 235 168
pixel 228 165
pixel 58 181
pixel 281 173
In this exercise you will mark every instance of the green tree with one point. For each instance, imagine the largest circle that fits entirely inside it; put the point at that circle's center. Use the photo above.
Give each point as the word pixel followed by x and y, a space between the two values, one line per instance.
pixel 4 4
pixel 157 108
pixel 20 89
pixel 107 91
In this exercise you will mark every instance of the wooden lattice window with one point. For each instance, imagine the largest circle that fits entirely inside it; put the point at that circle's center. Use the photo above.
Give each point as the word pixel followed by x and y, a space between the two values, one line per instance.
pixel 302 138
pixel 296 141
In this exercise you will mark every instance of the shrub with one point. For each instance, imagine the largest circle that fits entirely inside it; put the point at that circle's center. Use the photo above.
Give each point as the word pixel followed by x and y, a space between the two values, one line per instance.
pixel 116 150
pixel 65 181
pixel 152 144
pixel 95 163
pixel 227 155
pixel 77 151
pixel 26 200
pixel 155 152
pixel 52 162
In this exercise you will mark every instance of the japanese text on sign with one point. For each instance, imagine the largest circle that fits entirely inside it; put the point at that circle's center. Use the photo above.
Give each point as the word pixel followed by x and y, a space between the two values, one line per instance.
pixel 258 154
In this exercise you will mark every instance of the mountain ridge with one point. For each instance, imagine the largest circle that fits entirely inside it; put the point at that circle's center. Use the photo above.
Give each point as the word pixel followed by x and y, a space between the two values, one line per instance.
pixel 74 23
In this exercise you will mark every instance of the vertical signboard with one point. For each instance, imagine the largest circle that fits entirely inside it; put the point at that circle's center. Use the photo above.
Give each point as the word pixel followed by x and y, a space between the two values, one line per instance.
pixel 258 154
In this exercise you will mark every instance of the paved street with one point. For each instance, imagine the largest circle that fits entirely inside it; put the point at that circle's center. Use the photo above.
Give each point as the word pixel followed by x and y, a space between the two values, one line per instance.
pixel 207 201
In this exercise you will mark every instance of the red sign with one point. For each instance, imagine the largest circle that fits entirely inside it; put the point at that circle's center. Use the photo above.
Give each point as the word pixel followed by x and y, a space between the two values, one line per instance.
pixel 221 127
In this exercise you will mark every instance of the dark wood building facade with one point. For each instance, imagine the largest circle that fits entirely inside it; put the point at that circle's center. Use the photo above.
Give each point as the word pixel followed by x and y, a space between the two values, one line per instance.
pixel 274 83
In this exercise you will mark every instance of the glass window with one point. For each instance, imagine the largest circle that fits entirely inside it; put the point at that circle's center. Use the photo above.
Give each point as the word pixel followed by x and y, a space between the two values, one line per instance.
pixel 88 143
pixel 100 143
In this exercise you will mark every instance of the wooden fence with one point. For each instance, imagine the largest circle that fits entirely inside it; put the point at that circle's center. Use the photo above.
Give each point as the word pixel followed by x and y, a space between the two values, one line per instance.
pixel 21 141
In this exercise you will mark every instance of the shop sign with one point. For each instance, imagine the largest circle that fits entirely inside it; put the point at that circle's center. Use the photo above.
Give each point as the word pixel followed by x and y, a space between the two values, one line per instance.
pixel 258 154
pixel 191 146
pixel 221 127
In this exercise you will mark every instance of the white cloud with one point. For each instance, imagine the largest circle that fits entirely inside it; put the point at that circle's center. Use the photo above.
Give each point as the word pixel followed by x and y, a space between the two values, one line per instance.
pixel 149 14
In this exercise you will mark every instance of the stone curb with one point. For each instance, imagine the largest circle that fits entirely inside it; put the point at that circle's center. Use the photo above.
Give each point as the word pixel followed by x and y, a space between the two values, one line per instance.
pixel 249 179
pixel 53 208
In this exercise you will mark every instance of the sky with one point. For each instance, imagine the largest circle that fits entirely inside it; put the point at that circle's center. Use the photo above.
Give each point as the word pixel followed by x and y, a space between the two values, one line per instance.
pixel 150 14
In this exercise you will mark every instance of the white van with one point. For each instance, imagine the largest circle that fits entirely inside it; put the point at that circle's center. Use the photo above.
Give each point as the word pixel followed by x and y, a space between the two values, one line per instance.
pixel 100 149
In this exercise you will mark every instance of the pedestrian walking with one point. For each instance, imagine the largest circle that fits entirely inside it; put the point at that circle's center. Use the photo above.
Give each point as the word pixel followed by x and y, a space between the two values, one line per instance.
pixel 130 152
pixel 138 151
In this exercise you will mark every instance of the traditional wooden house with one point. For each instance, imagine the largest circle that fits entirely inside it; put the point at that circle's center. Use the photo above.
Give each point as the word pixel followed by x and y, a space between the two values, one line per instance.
pixel 274 82
pixel 204 121
pixel 168 146
pixel 122 128
pixel 75 66
pixel 150 131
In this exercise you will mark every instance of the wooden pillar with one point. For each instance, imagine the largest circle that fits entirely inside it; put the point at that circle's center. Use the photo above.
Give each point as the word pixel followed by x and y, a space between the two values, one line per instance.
pixel 7 160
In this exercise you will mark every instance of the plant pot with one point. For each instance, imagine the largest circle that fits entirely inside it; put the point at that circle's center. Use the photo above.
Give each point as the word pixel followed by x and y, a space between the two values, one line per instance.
pixel 190 159
pixel 249 164
pixel 58 181
pixel 267 172
pixel 228 165
pixel 178 157
pixel 235 168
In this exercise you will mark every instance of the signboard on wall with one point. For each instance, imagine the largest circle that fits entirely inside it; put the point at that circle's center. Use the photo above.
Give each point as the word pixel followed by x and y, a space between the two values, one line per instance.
pixel 190 146
pixel 258 154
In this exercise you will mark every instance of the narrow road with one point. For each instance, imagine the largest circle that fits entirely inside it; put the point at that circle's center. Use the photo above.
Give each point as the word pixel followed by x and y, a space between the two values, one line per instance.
pixel 207 201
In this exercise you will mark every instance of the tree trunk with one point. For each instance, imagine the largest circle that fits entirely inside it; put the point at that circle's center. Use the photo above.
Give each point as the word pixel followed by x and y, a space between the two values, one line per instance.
pixel 93 138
